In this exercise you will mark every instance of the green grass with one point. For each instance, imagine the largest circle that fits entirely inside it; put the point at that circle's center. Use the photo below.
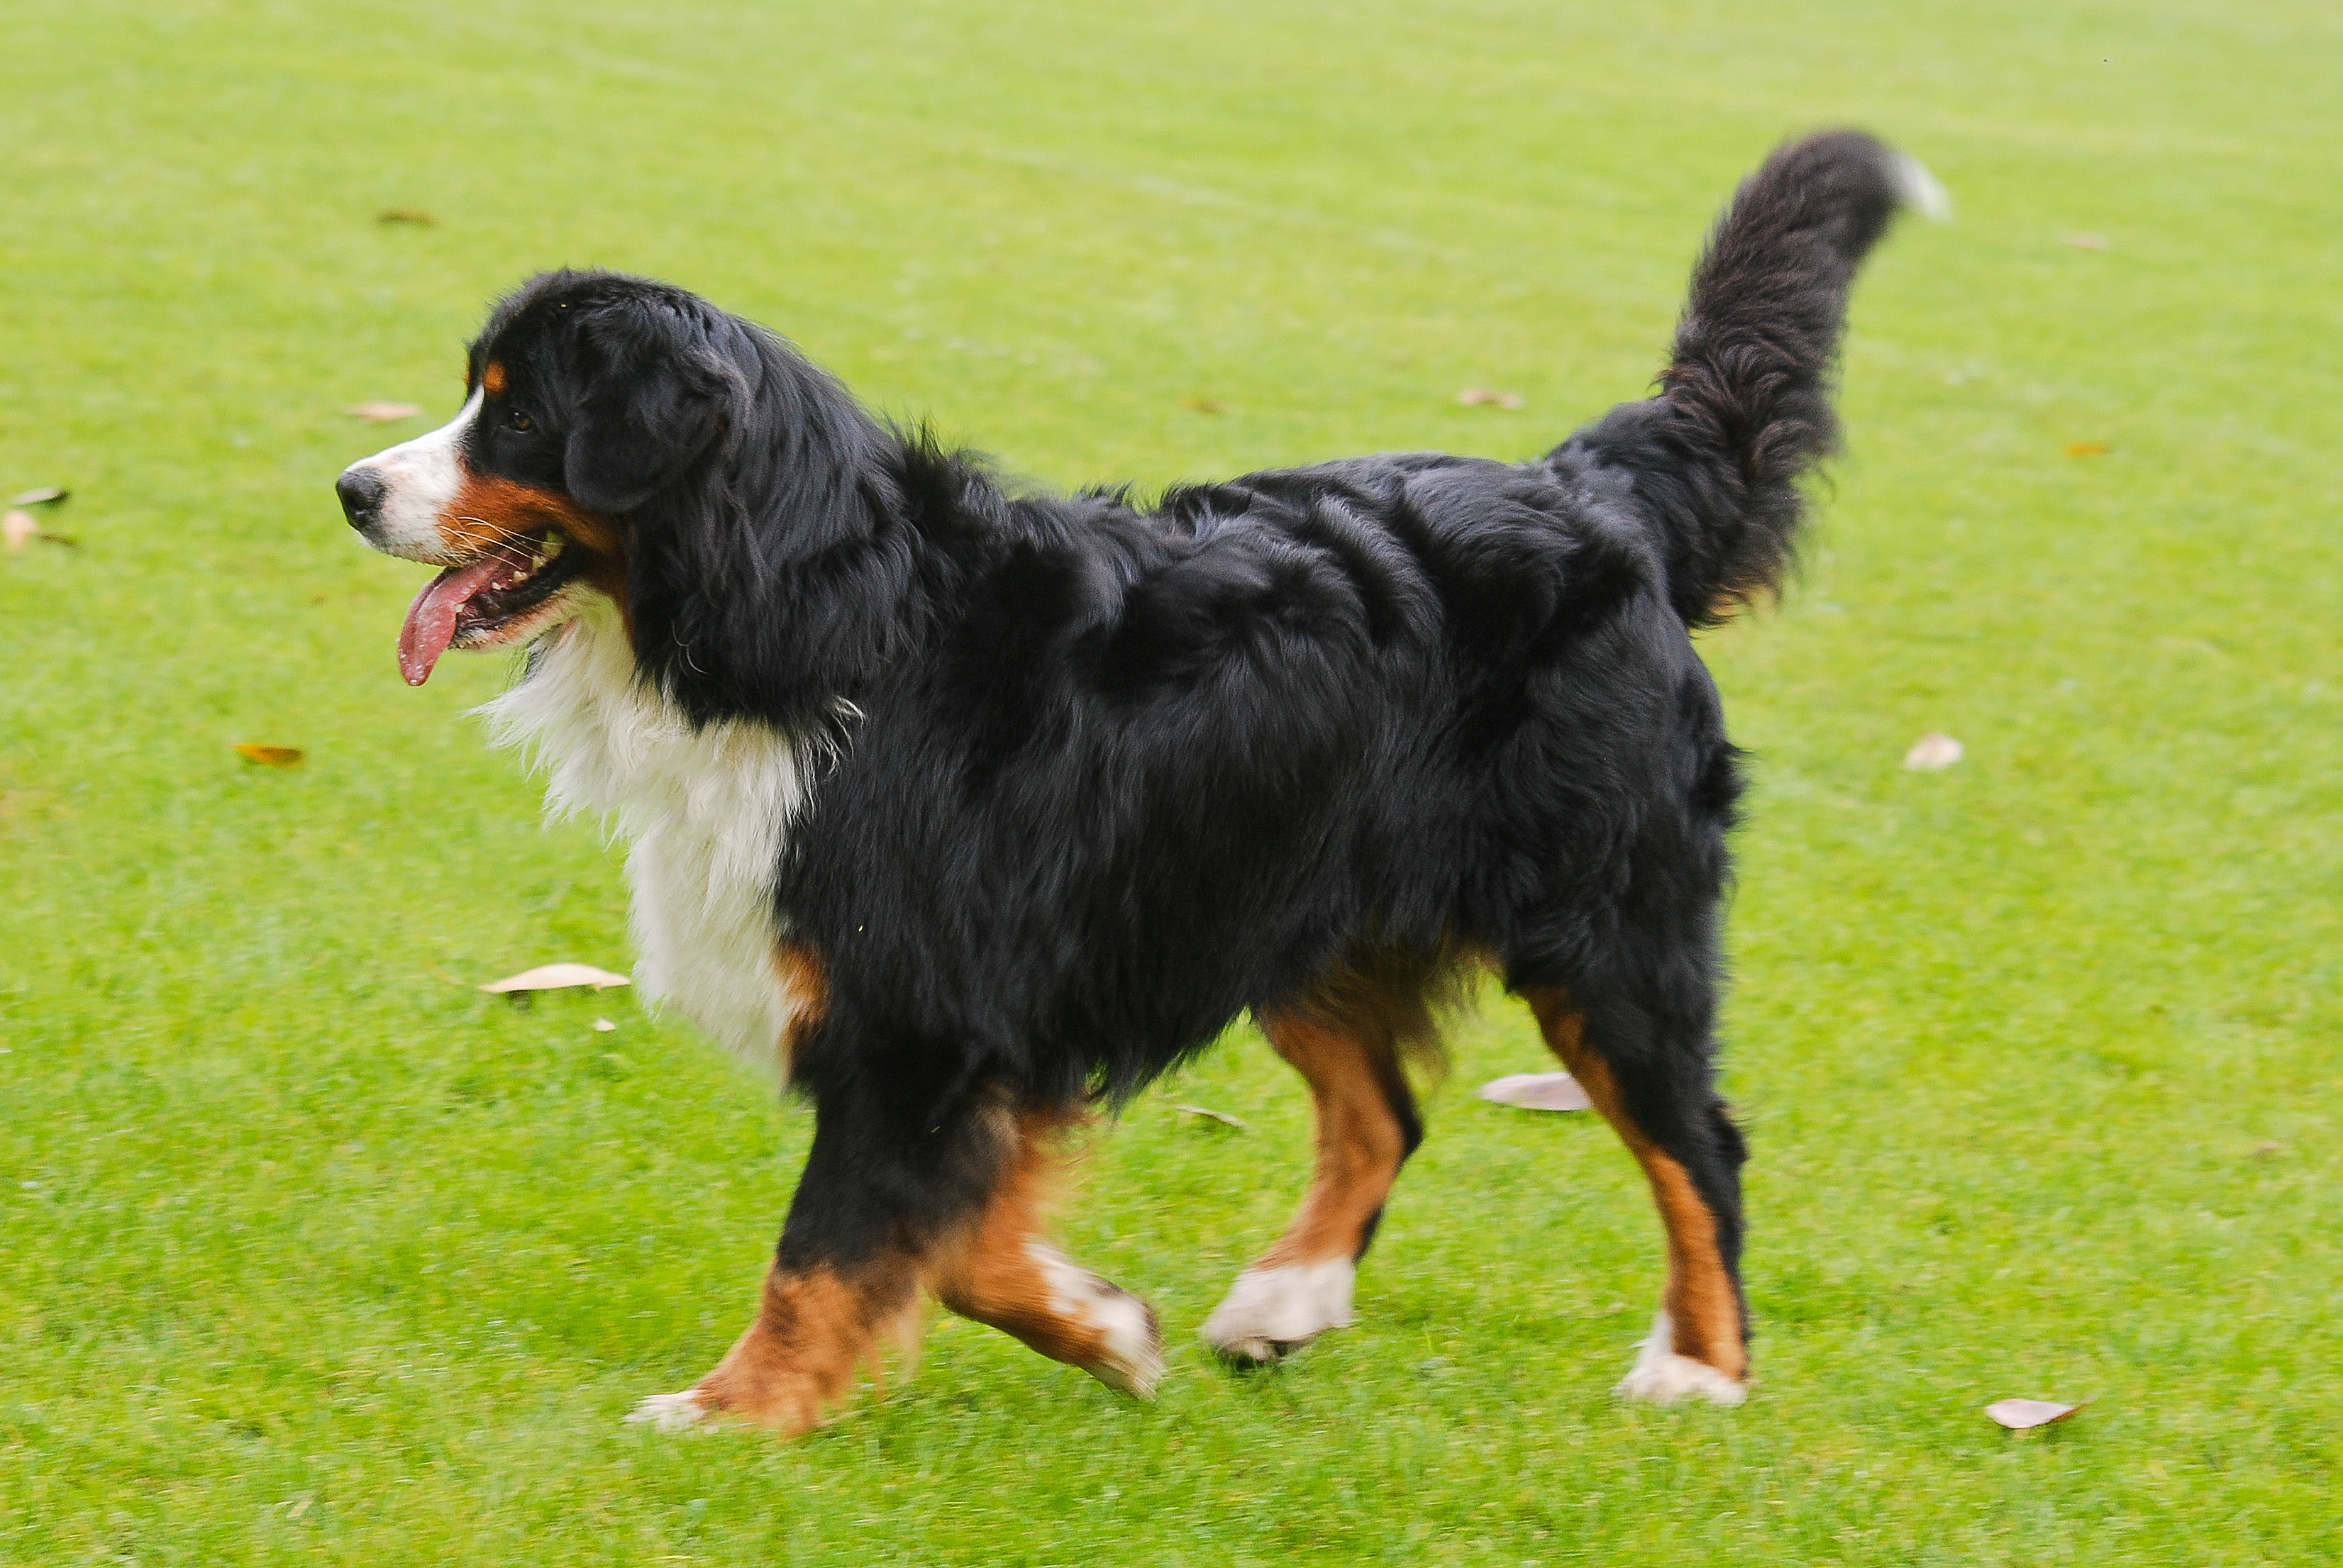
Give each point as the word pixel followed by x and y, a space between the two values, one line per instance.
pixel 306 1253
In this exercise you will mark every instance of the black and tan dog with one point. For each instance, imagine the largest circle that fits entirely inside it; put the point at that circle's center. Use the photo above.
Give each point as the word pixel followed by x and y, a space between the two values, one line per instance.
pixel 974 810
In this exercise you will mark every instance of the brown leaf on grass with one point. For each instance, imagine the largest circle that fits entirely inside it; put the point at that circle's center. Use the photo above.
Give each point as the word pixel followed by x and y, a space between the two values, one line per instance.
pixel 1201 405
pixel 1538 1092
pixel 556 977
pixel 272 756
pixel 1933 753
pixel 1222 1116
pixel 18 528
pixel 414 215
pixel 2083 240
pixel 2087 449
pixel 384 413
pixel 40 496
pixel 1474 396
pixel 2020 1414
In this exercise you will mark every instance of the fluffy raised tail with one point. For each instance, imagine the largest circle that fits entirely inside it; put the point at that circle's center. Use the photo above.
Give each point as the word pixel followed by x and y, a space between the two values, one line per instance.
pixel 1744 409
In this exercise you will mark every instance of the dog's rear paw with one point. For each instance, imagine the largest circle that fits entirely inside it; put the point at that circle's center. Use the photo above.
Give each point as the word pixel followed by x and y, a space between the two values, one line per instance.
pixel 1270 1314
pixel 1662 1377
pixel 685 1412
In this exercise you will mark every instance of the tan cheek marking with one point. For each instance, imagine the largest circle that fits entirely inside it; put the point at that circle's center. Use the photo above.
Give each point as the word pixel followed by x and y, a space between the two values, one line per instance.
pixel 489 509
pixel 493 378
pixel 1700 1298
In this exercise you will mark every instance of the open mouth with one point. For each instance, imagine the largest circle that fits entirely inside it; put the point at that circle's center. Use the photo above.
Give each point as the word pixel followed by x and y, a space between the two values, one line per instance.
pixel 485 601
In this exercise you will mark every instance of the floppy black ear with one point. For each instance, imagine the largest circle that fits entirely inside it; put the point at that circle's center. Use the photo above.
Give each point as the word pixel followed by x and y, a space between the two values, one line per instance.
pixel 662 394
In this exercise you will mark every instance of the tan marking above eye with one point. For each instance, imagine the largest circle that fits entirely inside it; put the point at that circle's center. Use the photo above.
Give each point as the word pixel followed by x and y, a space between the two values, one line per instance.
pixel 492 378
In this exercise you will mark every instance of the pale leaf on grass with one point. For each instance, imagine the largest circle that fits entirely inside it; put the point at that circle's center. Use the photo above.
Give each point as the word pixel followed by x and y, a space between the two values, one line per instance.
pixel 384 413
pixel 1933 753
pixel 1490 398
pixel 272 756
pixel 18 528
pixel 556 977
pixel 1222 1116
pixel 1538 1092
pixel 2019 1414
pixel 40 496
pixel 603 1026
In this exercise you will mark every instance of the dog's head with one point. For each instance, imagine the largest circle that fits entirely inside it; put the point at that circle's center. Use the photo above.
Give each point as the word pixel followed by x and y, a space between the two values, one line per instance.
pixel 588 394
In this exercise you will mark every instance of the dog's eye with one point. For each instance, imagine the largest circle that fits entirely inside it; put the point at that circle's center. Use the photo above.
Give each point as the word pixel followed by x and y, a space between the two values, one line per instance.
pixel 516 420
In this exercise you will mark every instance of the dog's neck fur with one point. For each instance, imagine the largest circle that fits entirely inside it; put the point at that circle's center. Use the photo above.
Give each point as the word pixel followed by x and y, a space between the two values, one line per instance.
pixel 704 809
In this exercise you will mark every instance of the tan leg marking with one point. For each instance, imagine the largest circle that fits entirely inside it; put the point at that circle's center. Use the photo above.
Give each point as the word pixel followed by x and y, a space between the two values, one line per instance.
pixel 1004 1270
pixel 812 1332
pixel 1345 1036
pixel 1703 1309
pixel 1360 1143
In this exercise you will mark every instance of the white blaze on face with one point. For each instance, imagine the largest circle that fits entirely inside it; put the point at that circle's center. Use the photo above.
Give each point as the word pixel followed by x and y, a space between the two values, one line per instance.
pixel 420 481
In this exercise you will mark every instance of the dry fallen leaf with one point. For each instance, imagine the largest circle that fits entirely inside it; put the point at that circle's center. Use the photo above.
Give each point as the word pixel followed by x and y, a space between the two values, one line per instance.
pixel 556 977
pixel 18 528
pixel 1933 753
pixel 1201 404
pixel 38 496
pixel 2018 1414
pixel 1222 1116
pixel 603 1026
pixel 384 413
pixel 1538 1092
pixel 2087 449
pixel 414 215
pixel 272 756
pixel 2083 240
pixel 1473 396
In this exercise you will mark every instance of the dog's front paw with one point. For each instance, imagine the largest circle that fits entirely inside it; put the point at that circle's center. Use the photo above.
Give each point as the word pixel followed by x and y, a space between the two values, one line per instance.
pixel 685 1412
pixel 1132 1360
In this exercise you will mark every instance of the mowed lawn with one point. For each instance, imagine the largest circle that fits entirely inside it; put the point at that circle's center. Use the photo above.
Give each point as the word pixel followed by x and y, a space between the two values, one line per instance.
pixel 309 1251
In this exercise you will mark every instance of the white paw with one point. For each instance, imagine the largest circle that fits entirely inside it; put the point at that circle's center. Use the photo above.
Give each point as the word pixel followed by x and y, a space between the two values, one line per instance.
pixel 674 1412
pixel 1134 1347
pixel 1664 1377
pixel 1133 1343
pixel 1270 1312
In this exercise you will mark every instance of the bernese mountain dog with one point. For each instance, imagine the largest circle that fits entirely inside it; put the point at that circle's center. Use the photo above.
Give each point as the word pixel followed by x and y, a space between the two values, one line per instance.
pixel 974 810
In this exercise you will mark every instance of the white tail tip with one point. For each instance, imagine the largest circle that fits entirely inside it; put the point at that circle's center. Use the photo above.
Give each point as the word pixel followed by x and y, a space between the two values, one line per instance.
pixel 1921 190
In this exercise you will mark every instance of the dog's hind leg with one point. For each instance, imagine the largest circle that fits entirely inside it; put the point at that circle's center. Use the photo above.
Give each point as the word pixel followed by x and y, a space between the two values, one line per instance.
pixel 1366 1127
pixel 1658 1094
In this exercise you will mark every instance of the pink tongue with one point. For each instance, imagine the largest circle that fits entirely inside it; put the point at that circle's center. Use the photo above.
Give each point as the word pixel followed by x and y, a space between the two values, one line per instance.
pixel 431 618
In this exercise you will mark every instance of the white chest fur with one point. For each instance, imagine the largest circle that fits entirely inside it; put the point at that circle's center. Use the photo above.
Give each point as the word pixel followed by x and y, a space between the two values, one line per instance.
pixel 703 812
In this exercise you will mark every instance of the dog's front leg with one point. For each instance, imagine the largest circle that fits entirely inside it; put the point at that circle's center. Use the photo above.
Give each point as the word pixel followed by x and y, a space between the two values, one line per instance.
pixel 881 1201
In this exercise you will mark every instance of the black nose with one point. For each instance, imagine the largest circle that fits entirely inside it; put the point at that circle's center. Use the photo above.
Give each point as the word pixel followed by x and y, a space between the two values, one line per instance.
pixel 361 495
